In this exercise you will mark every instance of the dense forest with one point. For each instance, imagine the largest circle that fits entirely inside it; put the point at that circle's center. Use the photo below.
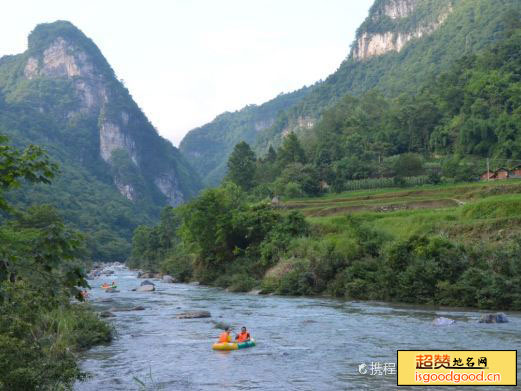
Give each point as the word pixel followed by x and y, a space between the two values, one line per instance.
pixel 41 328
pixel 234 236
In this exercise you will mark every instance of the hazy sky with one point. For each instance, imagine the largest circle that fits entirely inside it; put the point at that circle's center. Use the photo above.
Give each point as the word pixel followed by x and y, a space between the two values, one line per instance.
pixel 186 61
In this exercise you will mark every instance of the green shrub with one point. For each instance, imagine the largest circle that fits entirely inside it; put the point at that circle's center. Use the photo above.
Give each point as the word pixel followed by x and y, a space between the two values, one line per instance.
pixel 82 327
pixel 297 282
pixel 494 207
pixel 293 190
pixel 178 265
pixel 289 277
pixel 269 285
pixel 434 178
pixel 223 281
pixel 38 340
pixel 242 283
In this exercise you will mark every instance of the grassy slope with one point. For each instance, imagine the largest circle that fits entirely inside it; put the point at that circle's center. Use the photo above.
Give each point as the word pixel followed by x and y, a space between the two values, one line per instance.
pixel 463 212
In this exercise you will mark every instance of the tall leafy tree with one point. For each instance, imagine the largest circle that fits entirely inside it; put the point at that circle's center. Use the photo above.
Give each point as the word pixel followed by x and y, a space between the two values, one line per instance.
pixel 32 164
pixel 291 151
pixel 241 166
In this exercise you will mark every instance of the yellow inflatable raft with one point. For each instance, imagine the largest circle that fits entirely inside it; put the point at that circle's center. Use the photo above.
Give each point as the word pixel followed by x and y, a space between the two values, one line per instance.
pixel 233 345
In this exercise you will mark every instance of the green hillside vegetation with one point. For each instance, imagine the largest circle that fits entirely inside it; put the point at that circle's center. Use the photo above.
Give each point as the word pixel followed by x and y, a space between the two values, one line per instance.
pixel 448 129
pixel 454 245
pixel 463 253
pixel 208 147
pixel 472 26
pixel 47 111
pixel 41 328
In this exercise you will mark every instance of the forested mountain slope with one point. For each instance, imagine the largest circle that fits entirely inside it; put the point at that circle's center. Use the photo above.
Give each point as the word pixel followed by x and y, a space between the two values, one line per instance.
pixel 117 172
pixel 400 46
pixel 207 148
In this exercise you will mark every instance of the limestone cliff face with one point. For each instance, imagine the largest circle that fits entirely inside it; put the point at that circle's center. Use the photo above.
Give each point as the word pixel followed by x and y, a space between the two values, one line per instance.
pixel 61 52
pixel 63 59
pixel 396 9
pixel 264 124
pixel 111 138
pixel 395 14
pixel 169 187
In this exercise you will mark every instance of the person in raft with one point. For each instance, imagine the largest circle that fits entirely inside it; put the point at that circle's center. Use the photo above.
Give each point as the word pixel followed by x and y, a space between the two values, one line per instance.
pixel 243 336
pixel 225 335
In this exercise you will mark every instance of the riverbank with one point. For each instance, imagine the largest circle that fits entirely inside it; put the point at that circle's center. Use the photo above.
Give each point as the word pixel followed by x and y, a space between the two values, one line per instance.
pixel 40 343
pixel 450 245
pixel 302 343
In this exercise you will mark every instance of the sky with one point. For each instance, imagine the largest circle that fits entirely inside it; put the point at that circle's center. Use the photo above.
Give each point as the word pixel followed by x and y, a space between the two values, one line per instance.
pixel 186 61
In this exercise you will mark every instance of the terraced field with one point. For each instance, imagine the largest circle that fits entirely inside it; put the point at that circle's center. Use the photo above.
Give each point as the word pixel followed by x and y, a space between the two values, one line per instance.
pixel 478 211
pixel 390 200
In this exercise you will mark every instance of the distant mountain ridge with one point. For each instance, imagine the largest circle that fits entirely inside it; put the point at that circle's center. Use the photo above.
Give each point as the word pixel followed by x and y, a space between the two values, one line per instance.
pixel 399 47
pixel 208 147
pixel 62 94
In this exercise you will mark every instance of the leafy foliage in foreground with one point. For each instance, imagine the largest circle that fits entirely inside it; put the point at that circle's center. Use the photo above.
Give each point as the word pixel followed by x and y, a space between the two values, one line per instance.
pixel 40 329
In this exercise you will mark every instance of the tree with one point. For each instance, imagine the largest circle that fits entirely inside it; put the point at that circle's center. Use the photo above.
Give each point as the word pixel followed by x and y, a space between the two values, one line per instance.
pixel 31 164
pixel 39 273
pixel 291 151
pixel 271 156
pixel 207 224
pixel 241 166
pixel 408 164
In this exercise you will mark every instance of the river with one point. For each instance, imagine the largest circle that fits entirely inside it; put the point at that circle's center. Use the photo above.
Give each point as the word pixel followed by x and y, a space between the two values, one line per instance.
pixel 302 343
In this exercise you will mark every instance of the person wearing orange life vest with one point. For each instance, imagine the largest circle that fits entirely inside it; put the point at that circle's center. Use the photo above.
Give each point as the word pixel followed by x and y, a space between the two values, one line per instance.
pixel 225 335
pixel 243 336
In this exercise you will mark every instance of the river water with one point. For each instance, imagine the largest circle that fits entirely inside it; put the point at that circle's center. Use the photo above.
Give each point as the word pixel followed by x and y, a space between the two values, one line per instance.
pixel 302 343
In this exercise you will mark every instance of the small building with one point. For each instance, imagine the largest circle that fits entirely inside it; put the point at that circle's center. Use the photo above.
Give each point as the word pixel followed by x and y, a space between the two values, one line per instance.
pixel 502 173
pixel 515 172
pixel 488 175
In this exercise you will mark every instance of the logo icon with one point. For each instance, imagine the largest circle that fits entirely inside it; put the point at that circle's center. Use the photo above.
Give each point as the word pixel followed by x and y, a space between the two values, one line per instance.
pixel 362 368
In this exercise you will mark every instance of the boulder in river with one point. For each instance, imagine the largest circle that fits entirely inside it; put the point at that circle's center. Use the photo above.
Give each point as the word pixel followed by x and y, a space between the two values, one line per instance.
pixel 146 282
pixel 145 275
pixel 169 279
pixel 146 288
pixel 499 317
pixel 221 325
pixel 106 314
pixel 127 309
pixel 442 321
pixel 193 315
